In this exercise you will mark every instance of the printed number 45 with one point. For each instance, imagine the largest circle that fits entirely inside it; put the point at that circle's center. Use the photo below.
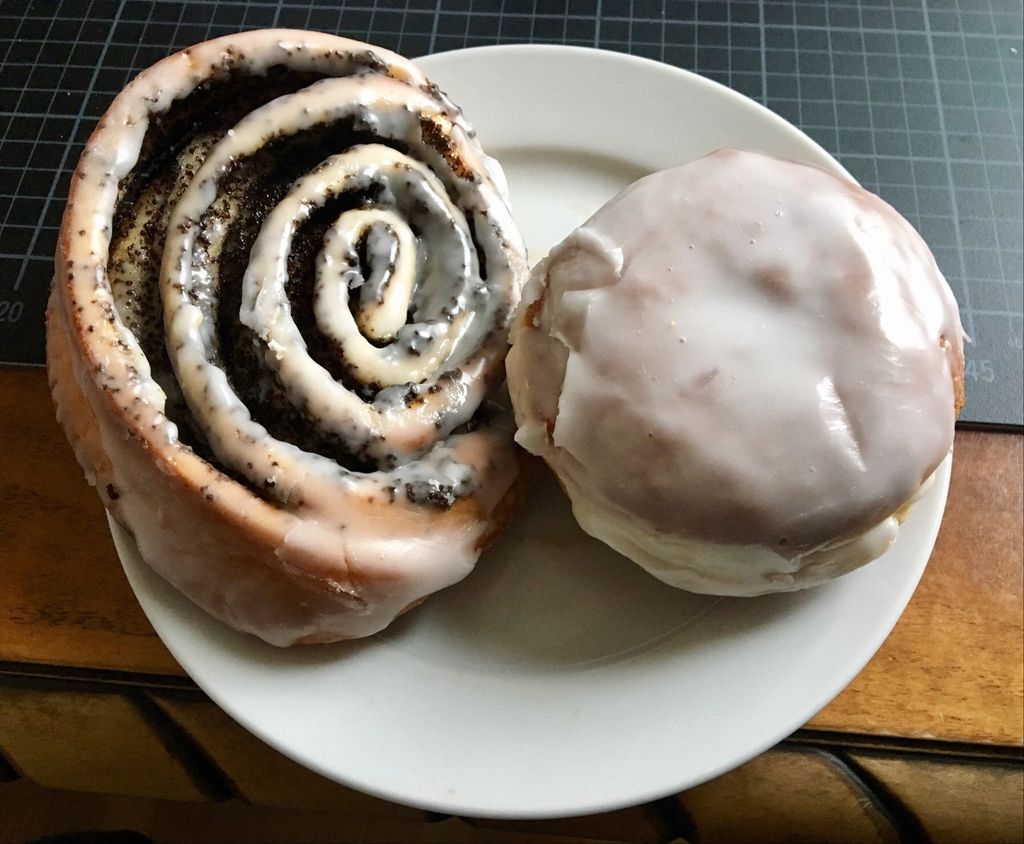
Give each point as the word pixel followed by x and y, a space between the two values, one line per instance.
pixel 980 370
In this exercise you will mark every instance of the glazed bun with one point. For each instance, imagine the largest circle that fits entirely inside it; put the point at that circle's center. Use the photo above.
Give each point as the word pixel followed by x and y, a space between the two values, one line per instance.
pixel 742 371
pixel 284 281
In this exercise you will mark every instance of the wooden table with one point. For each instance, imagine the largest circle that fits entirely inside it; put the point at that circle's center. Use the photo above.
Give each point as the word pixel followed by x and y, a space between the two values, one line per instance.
pixel 927 742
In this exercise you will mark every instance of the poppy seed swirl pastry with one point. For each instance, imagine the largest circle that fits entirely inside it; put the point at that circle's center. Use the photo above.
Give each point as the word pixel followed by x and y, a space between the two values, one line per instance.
pixel 743 371
pixel 279 316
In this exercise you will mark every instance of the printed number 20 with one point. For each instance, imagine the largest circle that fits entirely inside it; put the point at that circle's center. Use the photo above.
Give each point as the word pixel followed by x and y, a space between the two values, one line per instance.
pixel 10 311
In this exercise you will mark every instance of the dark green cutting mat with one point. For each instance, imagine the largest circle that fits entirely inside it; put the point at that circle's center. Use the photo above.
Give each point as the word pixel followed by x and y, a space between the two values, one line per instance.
pixel 921 101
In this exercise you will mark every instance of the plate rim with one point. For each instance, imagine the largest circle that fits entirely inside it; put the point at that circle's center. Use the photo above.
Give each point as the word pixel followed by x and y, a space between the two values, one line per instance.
pixel 649 64
pixel 125 546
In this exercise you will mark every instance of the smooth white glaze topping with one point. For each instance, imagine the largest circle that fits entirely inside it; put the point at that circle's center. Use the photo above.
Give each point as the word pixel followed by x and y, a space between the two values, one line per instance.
pixel 741 351
pixel 429 258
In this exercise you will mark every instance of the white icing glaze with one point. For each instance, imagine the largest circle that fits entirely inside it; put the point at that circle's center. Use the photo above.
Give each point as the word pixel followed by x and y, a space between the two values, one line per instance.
pixel 326 552
pixel 740 369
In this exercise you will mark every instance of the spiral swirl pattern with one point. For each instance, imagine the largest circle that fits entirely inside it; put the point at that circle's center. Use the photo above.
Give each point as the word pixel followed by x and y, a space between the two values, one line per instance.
pixel 305 278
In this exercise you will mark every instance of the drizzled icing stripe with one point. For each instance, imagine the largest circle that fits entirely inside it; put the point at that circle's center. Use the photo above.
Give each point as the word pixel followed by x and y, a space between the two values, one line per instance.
pixel 287 270
pixel 441 356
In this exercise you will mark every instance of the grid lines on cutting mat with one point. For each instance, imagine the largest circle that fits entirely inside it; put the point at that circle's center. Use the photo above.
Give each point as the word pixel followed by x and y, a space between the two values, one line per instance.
pixel 920 100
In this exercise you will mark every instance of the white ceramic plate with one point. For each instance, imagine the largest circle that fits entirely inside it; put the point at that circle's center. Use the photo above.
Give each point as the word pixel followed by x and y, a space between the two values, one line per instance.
pixel 560 679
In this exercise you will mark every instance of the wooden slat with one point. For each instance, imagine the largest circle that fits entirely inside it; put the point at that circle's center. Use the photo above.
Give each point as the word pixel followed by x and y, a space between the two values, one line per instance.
pixel 28 813
pixel 263 776
pixel 65 599
pixel 177 745
pixel 951 670
pixel 955 802
pixel 791 796
pixel 639 824
pixel 90 741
